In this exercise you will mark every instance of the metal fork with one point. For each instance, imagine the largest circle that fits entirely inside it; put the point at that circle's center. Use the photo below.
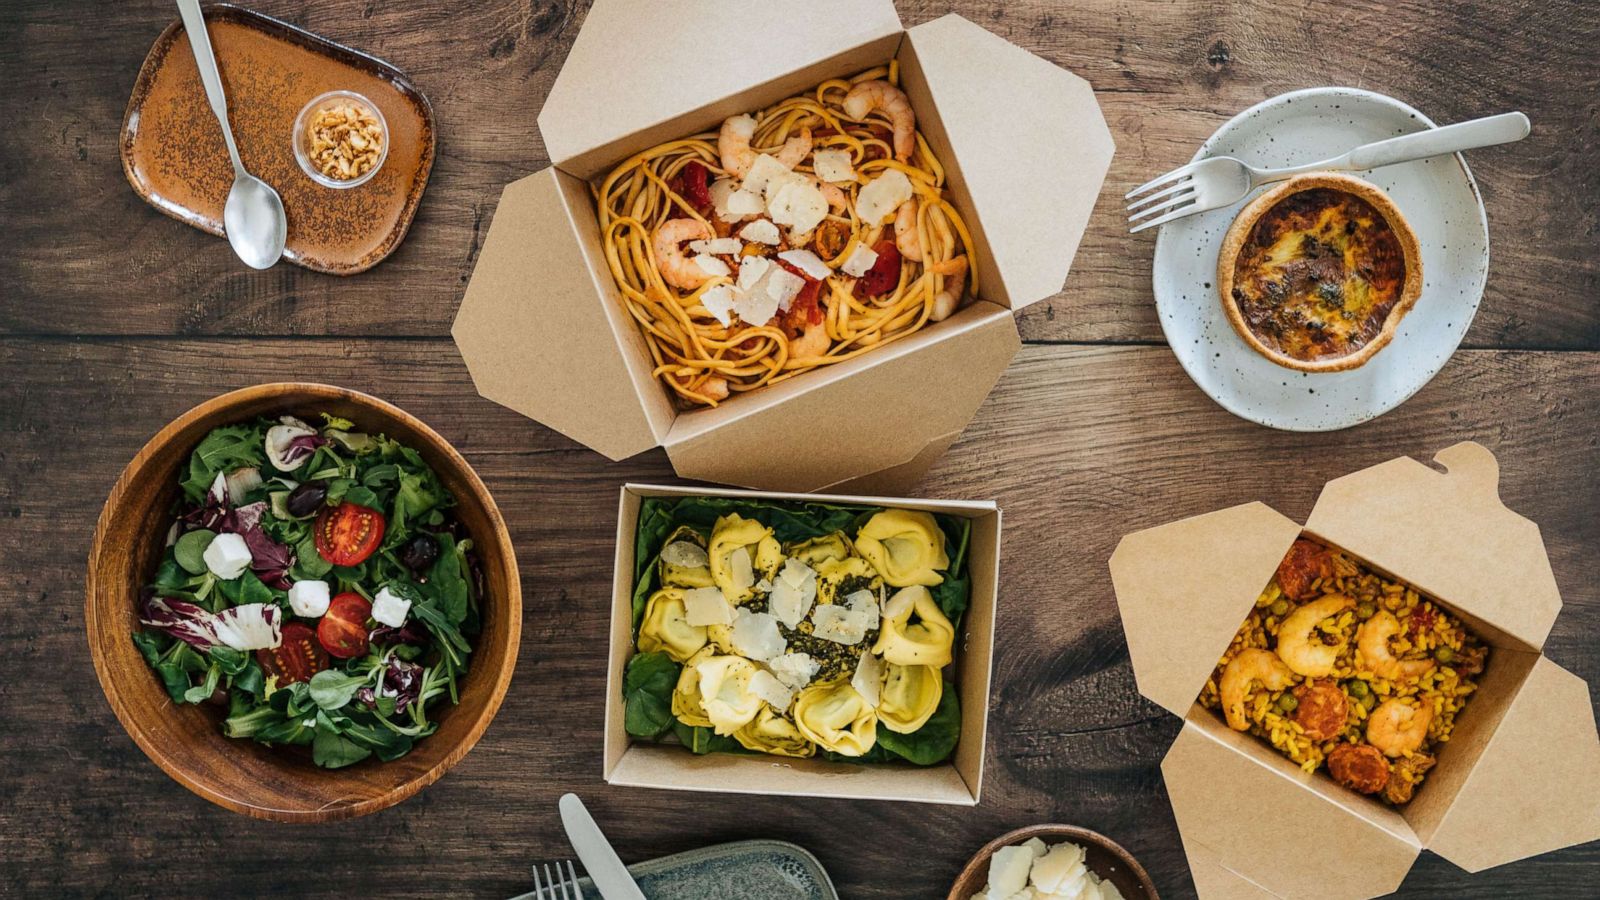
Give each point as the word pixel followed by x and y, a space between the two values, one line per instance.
pixel 566 882
pixel 1221 180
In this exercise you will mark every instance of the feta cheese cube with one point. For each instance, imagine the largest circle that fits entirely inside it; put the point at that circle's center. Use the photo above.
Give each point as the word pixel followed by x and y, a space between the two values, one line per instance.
pixel 389 608
pixel 309 598
pixel 227 556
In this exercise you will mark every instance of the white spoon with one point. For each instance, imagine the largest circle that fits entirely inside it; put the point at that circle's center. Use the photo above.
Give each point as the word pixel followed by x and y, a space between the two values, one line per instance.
pixel 253 217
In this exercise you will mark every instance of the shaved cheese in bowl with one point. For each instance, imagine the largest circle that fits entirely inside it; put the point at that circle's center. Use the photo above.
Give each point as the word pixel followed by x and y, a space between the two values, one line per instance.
pixel 881 196
pixel 861 259
pixel 1034 869
pixel 807 262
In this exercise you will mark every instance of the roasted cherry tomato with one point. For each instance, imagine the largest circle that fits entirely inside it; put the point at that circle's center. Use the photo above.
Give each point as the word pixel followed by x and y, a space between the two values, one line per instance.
pixel 297 658
pixel 804 309
pixel 343 629
pixel 693 183
pixel 884 274
pixel 347 534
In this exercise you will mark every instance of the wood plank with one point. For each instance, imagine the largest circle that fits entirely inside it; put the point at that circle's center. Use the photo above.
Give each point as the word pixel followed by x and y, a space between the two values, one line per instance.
pixel 1079 445
pixel 1168 75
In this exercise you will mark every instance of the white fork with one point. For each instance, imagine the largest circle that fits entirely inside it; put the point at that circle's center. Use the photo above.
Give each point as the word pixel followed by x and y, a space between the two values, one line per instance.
pixel 560 880
pixel 1221 180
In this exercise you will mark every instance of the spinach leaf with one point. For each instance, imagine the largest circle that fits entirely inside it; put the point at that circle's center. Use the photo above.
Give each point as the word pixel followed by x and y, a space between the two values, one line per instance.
pixel 333 750
pixel 308 563
pixel 189 551
pixel 158 650
pixel 935 740
pixel 448 578
pixel 647 687
pixel 953 593
pixel 251 679
pixel 226 448
pixel 287 731
pixel 247 588
pixel 332 689
pixel 703 740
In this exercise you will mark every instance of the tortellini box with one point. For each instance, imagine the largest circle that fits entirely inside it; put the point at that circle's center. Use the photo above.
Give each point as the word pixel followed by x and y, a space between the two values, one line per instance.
pixel 752 654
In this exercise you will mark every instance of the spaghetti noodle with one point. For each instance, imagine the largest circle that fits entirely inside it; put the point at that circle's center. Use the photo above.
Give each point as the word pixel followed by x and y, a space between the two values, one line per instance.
pixel 823 284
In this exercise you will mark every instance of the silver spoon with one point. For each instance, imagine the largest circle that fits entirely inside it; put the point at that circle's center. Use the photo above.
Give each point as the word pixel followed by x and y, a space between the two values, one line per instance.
pixel 253 217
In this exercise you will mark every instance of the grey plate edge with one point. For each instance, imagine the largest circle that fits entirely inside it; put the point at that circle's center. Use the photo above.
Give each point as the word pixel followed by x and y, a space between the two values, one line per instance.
pixel 699 854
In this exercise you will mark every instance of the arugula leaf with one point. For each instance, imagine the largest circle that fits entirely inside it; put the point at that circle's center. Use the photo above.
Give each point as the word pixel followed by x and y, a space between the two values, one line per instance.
pixel 225 448
pixel 935 740
pixel 647 687
pixel 332 689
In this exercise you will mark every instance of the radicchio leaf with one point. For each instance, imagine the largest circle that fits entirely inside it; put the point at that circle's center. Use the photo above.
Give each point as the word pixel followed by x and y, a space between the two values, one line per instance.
pixel 409 633
pixel 213 513
pixel 188 622
pixel 290 443
pixel 401 680
pixel 269 559
pixel 249 626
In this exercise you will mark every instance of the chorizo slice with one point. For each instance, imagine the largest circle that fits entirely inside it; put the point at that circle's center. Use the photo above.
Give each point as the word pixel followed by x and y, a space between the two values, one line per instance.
pixel 1302 566
pixel 1322 709
pixel 1359 767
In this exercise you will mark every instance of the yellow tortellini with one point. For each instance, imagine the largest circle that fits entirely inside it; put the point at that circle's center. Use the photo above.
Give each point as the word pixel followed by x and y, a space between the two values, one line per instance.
pixel 905 547
pixel 915 631
pixel 683 561
pixel 725 693
pixel 833 573
pixel 770 732
pixel 687 705
pixel 741 551
pixel 910 696
pixel 836 718
pixel 821 549
pixel 666 629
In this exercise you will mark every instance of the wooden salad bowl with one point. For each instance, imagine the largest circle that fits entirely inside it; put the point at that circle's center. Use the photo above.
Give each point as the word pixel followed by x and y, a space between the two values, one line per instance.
pixel 186 741
pixel 1104 857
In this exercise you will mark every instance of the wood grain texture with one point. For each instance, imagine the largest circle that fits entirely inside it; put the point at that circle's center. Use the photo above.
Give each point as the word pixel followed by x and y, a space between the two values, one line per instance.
pixel 1078 444
pixel 1167 73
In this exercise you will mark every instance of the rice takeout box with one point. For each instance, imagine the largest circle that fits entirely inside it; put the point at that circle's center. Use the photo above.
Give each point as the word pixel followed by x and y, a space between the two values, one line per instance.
pixel 544 331
pixel 1520 774
pixel 957 781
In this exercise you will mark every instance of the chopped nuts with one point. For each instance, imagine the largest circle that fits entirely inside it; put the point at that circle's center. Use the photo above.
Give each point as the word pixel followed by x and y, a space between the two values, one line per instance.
pixel 344 139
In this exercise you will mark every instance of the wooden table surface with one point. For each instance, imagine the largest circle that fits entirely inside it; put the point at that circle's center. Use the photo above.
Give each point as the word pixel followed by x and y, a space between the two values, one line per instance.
pixel 116 318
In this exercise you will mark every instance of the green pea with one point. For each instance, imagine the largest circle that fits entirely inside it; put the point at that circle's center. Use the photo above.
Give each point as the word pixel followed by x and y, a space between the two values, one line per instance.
pixel 1365 611
pixel 1360 689
pixel 1444 654
pixel 1280 607
pixel 1287 703
pixel 1369 701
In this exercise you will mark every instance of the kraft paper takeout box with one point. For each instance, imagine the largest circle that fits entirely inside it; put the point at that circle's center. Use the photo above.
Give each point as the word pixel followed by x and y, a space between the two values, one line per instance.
pixel 544 331
pixel 957 781
pixel 1519 776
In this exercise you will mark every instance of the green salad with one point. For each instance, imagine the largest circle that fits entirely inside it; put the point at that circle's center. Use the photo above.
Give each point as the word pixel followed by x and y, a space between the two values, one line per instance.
pixel 799 629
pixel 316 586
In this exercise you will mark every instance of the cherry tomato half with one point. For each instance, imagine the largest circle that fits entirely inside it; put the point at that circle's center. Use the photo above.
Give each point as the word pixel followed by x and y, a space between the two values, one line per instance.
pixel 297 658
pixel 347 534
pixel 884 274
pixel 343 629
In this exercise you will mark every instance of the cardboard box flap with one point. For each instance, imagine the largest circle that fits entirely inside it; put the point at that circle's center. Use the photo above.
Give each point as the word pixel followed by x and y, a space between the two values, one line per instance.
pixel 1291 833
pixel 1183 588
pixel 853 418
pixel 634 65
pixel 1448 534
pixel 1536 786
pixel 533 293
pixel 1029 142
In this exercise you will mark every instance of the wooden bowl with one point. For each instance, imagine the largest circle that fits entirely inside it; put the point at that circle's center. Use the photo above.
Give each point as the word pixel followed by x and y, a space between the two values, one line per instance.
pixel 266 782
pixel 1104 857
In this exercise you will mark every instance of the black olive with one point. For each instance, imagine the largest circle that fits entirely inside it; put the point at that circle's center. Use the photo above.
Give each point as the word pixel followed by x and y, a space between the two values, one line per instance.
pixel 419 552
pixel 307 498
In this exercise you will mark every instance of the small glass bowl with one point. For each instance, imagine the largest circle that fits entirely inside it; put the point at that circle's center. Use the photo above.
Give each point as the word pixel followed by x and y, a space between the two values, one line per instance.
pixel 302 139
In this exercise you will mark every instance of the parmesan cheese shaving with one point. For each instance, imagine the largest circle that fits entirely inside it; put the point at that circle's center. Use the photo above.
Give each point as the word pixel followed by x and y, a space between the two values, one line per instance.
pixel 718 301
pixel 706 606
pixel 881 196
pixel 807 262
pixel 712 266
pixel 761 231
pixel 833 166
pixel 861 259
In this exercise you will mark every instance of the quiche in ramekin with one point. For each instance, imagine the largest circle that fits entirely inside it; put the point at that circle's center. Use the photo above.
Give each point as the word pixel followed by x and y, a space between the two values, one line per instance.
pixel 1317 273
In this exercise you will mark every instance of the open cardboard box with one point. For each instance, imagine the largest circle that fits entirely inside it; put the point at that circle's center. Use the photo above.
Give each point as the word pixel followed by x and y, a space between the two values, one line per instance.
pixel 544 331
pixel 1519 776
pixel 957 781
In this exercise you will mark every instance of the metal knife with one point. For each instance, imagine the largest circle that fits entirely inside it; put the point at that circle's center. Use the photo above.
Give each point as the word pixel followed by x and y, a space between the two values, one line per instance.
pixel 605 868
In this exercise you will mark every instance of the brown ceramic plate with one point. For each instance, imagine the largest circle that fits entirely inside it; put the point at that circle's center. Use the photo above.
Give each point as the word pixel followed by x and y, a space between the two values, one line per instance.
pixel 187 741
pixel 173 155
pixel 1105 858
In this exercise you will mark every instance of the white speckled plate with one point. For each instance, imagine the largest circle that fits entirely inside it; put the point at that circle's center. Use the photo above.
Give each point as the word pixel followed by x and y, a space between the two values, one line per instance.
pixel 1439 200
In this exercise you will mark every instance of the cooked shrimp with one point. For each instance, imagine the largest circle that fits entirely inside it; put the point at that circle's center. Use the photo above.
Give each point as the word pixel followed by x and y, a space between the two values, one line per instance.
pixel 679 270
pixel 811 342
pixel 955 284
pixel 1359 767
pixel 733 146
pixel 891 101
pixel 715 387
pixel 1372 639
pixel 1251 665
pixel 837 199
pixel 1301 647
pixel 905 231
pixel 1397 728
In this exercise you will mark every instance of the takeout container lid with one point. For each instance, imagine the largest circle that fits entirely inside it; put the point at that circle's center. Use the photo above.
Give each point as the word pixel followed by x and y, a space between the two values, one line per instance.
pixel 957 781
pixel 544 331
pixel 1521 772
